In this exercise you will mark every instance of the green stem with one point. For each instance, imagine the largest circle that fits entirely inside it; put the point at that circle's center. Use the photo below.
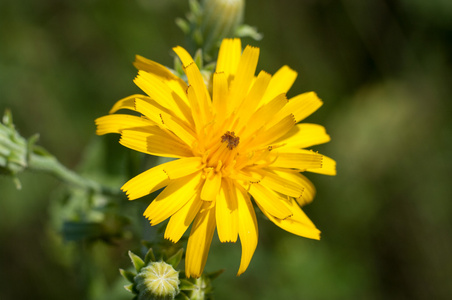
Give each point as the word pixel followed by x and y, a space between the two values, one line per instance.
pixel 51 165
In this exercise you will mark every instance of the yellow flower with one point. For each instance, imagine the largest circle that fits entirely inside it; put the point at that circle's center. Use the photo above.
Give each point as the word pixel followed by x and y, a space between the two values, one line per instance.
pixel 241 142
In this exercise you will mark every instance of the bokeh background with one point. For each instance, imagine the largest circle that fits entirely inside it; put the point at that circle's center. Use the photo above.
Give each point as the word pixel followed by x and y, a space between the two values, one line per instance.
pixel 384 71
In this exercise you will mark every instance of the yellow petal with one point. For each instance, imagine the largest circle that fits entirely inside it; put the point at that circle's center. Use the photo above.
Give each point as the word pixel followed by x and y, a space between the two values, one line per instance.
pixel 198 117
pixel 173 198
pixel 211 187
pixel 280 184
pixel 296 159
pixel 182 167
pixel 304 135
pixel 159 70
pixel 281 82
pixel 127 103
pixel 303 184
pixel 117 123
pixel 185 133
pixel 272 133
pixel 262 116
pixel 220 93
pixel 226 213
pixel 162 94
pixel 196 80
pixel 178 89
pixel 181 220
pixel 199 241
pixel 229 56
pixel 243 78
pixel 145 183
pixel 298 223
pixel 248 230
pixel 159 176
pixel 254 97
pixel 300 106
pixel 328 167
pixel 155 141
pixel 166 121
pixel 270 201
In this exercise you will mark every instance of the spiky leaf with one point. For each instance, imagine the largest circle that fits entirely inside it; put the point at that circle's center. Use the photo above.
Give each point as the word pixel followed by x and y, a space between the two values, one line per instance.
pixel 129 288
pixel 186 285
pixel 215 274
pixel 182 296
pixel 176 258
pixel 138 263
pixel 149 257
pixel 127 275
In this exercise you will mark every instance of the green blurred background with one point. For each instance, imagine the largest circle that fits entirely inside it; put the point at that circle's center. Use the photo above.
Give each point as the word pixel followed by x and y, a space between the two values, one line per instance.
pixel 384 71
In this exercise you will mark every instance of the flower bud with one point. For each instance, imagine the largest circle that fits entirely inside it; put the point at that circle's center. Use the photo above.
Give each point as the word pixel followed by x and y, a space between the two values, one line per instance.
pixel 157 281
pixel 221 19
pixel 199 288
pixel 154 280
pixel 14 149
pixel 210 21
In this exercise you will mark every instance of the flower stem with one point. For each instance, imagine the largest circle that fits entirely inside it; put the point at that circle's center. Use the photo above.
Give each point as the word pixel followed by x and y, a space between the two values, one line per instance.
pixel 49 164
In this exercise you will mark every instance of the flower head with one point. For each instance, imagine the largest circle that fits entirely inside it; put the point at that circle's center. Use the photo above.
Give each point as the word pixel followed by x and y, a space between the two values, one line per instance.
pixel 240 142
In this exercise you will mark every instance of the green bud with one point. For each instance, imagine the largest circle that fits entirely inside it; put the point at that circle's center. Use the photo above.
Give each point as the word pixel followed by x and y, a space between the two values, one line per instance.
pixel 210 21
pixel 199 288
pixel 153 280
pixel 18 154
pixel 157 281
pixel 14 149
pixel 221 19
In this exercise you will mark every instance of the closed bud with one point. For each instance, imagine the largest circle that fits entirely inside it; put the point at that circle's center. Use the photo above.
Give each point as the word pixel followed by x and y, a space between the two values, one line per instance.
pixel 210 21
pixel 153 280
pixel 221 18
pixel 157 281
pixel 14 149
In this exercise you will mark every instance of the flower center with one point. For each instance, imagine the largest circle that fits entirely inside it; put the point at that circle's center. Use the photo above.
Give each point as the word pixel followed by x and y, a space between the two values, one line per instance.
pixel 221 156
pixel 230 138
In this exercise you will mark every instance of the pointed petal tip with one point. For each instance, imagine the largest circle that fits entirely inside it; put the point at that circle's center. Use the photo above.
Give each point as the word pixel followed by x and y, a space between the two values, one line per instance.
pixel 242 269
pixel 189 275
pixel 169 238
pixel 228 240
pixel 129 195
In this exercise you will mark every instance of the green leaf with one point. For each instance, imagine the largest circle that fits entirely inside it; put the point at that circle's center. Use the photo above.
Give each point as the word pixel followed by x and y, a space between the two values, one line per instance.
pixel 198 58
pixel 138 263
pixel 195 7
pixel 183 25
pixel 215 274
pixel 149 257
pixel 210 66
pixel 186 285
pixel 178 66
pixel 130 288
pixel 127 275
pixel 182 296
pixel 8 118
pixel 248 31
pixel 17 183
pixel 176 258
pixel 197 37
